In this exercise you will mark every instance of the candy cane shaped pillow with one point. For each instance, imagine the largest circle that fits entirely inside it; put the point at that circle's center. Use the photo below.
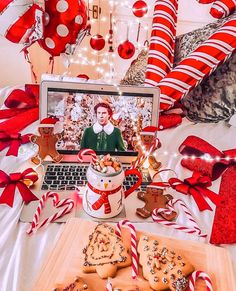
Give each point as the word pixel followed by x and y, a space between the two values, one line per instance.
pixel 223 8
pixel 205 1
pixel 65 19
pixel 199 64
pixel 21 21
pixel 161 50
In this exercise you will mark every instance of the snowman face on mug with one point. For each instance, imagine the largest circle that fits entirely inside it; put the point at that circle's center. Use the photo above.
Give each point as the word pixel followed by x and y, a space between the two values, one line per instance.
pixel 106 183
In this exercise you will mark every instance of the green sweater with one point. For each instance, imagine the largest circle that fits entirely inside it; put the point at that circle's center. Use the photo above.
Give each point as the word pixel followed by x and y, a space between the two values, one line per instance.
pixel 102 141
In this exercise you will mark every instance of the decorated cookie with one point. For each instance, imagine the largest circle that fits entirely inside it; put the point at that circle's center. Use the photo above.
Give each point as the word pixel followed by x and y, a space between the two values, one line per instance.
pixel 77 285
pixel 46 141
pixel 105 252
pixel 154 198
pixel 162 267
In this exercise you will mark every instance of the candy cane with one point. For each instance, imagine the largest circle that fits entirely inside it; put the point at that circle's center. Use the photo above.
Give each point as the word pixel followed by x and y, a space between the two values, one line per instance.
pixel 223 8
pixel 35 225
pixel 197 275
pixel 194 229
pixel 84 152
pixel 108 286
pixel 134 254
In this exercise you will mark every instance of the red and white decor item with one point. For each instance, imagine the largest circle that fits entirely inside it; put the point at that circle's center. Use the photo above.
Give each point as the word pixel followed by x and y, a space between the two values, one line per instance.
pixel 104 191
pixel 223 8
pixel 65 26
pixel 22 20
pixel 68 206
pixel 199 275
pixel 162 43
pixel 193 227
pixel 140 8
pixel 199 64
pixel 134 253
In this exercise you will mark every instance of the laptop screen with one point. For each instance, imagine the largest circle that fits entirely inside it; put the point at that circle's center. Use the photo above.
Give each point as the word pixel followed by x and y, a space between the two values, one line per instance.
pixel 107 122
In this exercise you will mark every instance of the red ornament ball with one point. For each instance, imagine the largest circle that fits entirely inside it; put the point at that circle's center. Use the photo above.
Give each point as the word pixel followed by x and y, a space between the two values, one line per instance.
pixel 83 76
pixel 140 8
pixel 97 42
pixel 126 50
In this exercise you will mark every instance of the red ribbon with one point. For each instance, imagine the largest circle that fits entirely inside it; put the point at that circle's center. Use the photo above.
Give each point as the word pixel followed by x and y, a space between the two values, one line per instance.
pixel 17 180
pixel 103 200
pixel 22 109
pixel 13 141
pixel 196 186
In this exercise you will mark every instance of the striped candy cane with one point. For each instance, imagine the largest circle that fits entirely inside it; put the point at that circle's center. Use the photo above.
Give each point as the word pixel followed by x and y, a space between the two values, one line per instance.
pixel 199 275
pixel 162 42
pixel 194 229
pixel 35 225
pixel 84 152
pixel 134 254
pixel 108 285
pixel 205 1
pixel 139 161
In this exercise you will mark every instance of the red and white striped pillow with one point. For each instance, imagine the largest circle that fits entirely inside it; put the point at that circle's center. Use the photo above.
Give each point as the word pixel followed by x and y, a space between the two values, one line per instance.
pixel 162 43
pixel 21 21
pixel 199 64
pixel 223 8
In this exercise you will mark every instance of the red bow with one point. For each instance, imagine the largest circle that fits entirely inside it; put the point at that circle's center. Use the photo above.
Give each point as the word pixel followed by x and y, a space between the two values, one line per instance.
pixel 23 109
pixel 13 141
pixel 196 186
pixel 20 180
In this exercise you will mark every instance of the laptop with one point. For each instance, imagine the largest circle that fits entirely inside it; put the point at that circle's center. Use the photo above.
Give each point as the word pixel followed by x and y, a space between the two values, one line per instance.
pixel 133 108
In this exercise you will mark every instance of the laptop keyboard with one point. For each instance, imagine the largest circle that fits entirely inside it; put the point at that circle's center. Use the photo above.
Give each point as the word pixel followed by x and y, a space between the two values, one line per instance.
pixel 68 177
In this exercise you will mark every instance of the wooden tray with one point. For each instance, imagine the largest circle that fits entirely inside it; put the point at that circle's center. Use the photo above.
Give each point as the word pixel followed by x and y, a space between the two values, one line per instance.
pixel 64 262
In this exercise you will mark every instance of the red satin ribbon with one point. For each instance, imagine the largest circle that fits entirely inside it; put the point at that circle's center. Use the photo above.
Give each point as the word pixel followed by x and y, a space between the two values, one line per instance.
pixel 103 200
pixel 17 180
pixel 23 109
pixel 13 141
pixel 196 186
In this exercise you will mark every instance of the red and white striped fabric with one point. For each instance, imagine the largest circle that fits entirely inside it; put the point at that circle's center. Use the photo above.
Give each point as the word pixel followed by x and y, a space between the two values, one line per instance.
pixel 21 21
pixel 199 275
pixel 205 1
pixel 134 253
pixel 199 64
pixel 162 43
pixel 192 229
pixel 223 8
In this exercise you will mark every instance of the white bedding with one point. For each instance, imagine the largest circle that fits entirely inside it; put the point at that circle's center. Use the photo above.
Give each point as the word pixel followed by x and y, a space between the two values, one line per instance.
pixel 21 256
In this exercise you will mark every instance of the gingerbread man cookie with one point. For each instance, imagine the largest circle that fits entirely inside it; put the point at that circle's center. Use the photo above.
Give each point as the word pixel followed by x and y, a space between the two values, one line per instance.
pixel 105 252
pixel 77 284
pixel 154 198
pixel 46 141
pixel 162 267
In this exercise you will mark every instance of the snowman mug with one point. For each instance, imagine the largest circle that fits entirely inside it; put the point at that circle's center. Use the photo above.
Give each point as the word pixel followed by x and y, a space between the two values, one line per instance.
pixel 104 192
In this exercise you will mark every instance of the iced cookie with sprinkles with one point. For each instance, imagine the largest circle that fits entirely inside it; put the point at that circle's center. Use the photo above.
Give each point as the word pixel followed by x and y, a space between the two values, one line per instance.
pixel 164 268
pixel 105 252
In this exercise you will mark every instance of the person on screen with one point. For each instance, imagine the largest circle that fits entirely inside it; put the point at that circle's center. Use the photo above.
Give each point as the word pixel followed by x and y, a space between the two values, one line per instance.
pixel 103 135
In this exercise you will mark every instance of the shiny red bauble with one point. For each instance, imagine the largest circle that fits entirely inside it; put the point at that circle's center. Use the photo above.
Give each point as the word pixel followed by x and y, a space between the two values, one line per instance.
pixel 126 50
pixel 83 76
pixel 97 42
pixel 140 8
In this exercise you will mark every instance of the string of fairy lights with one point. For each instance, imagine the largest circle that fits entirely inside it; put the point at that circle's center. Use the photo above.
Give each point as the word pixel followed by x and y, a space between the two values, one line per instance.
pixel 102 61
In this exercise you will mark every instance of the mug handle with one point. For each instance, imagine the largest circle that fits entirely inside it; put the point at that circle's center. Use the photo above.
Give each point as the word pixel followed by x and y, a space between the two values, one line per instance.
pixel 135 186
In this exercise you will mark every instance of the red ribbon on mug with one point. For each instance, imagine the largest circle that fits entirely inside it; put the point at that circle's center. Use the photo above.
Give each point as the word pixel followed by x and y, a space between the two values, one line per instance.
pixel 13 141
pixel 196 186
pixel 17 180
